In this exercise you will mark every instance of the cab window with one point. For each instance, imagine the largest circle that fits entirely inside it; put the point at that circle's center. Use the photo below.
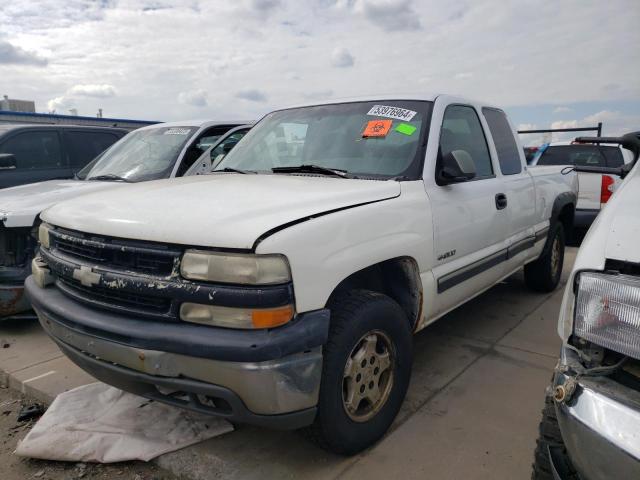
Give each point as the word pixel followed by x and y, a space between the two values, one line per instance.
pixel 35 150
pixel 462 130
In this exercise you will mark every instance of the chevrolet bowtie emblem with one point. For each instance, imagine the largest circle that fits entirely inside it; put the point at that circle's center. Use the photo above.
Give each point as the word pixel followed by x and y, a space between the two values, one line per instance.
pixel 86 276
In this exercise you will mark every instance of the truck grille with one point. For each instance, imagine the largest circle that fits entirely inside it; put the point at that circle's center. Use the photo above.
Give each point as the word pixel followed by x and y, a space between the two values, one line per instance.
pixel 116 254
pixel 16 246
pixel 116 299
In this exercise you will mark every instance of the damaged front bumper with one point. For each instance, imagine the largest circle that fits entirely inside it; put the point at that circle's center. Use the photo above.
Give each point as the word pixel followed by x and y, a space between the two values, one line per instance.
pixel 269 378
pixel 14 303
pixel 600 423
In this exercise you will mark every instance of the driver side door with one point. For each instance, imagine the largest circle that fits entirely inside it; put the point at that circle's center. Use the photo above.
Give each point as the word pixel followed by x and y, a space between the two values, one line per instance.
pixel 469 228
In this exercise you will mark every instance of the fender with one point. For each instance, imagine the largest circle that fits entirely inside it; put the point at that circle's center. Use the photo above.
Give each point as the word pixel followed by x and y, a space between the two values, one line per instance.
pixel 561 201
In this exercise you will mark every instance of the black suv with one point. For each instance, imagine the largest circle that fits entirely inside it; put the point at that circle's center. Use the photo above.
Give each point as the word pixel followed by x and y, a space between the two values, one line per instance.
pixel 34 153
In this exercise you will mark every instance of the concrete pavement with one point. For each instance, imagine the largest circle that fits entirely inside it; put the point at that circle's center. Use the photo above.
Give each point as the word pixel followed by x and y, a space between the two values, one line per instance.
pixel 471 411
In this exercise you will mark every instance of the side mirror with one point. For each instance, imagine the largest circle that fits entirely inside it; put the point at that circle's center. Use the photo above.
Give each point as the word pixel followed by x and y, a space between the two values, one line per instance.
pixel 456 166
pixel 7 161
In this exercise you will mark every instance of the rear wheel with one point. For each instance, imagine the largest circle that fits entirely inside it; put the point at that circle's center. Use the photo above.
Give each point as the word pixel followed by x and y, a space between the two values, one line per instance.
pixel 366 371
pixel 543 275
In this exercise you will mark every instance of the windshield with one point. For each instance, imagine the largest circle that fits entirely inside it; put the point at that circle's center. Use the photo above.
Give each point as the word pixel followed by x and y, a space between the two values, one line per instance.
pixel 141 155
pixel 365 139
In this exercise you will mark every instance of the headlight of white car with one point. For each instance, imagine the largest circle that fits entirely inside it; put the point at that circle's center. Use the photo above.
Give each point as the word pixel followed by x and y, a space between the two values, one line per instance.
pixel 43 234
pixel 607 311
pixel 238 268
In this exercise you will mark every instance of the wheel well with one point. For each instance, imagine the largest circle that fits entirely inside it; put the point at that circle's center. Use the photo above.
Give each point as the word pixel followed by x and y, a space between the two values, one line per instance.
pixel 398 278
pixel 565 217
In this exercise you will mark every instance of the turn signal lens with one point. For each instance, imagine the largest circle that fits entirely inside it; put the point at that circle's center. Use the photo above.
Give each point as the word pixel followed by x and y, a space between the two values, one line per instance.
pixel 43 234
pixel 243 318
pixel 606 188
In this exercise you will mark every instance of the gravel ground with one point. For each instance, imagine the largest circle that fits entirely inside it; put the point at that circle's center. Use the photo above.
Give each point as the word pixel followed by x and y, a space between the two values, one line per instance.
pixel 13 467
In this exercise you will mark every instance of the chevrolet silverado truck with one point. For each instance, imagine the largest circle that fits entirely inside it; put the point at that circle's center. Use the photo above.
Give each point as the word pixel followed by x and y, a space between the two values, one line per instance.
pixel 590 428
pixel 595 188
pixel 157 151
pixel 283 288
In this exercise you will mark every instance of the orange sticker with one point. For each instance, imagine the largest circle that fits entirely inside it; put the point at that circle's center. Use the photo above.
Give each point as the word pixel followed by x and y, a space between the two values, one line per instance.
pixel 377 128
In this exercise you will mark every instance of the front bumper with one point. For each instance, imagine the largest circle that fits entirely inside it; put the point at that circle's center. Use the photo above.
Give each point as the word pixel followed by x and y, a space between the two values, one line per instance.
pixel 267 378
pixel 13 302
pixel 600 427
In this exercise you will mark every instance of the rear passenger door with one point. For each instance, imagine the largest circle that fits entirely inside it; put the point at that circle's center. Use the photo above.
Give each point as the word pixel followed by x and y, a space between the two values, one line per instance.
pixel 82 146
pixel 469 229
pixel 519 191
pixel 38 155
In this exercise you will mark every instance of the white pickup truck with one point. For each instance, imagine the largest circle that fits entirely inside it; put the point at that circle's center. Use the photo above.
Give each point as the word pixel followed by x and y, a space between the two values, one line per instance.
pixel 157 151
pixel 590 427
pixel 283 289
pixel 595 188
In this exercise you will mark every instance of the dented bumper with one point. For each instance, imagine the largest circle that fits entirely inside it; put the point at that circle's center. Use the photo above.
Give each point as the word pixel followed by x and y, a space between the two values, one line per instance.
pixel 13 301
pixel 268 378
pixel 600 425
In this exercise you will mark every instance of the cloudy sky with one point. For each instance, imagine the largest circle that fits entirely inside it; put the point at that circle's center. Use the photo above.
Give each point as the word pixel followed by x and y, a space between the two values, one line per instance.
pixel 549 63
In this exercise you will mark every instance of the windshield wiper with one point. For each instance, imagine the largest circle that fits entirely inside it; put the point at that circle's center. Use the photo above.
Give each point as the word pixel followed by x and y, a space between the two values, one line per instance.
pixel 233 170
pixel 110 177
pixel 312 169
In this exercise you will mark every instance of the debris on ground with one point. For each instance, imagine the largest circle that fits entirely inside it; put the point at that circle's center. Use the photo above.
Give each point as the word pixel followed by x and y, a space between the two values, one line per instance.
pixel 4 343
pixel 99 423
pixel 30 411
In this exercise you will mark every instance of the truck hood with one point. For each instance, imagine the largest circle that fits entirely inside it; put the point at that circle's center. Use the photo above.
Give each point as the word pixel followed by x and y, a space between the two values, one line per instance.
pixel 19 206
pixel 224 210
pixel 615 232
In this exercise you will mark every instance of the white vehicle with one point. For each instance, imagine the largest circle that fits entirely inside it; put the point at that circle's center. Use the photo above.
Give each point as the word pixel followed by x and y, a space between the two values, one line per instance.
pixel 283 290
pixel 157 151
pixel 591 420
pixel 595 188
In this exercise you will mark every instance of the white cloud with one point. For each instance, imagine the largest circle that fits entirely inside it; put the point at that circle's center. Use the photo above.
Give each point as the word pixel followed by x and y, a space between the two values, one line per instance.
pixel 558 110
pixel 463 75
pixel 252 95
pixel 93 90
pixel 196 98
pixel 11 54
pixel 59 104
pixel 391 15
pixel 341 58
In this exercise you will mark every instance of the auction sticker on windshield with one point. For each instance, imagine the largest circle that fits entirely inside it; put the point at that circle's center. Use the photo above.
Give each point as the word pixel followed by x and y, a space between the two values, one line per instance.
pixel 391 112
pixel 377 128
pixel 177 131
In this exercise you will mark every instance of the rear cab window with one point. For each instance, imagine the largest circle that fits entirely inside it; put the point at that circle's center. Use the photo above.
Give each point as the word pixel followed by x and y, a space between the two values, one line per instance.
pixel 582 155
pixel 84 145
pixel 504 141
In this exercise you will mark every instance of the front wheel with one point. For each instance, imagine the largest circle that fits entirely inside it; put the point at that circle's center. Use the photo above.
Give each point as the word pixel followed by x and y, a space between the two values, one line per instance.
pixel 543 274
pixel 366 371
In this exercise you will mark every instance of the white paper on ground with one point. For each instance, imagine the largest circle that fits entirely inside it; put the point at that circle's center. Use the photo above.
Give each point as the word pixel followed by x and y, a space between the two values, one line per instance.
pixel 99 423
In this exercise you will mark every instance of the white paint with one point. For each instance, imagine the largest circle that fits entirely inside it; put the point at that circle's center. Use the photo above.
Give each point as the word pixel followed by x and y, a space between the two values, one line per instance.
pixel 37 378
pixel 614 234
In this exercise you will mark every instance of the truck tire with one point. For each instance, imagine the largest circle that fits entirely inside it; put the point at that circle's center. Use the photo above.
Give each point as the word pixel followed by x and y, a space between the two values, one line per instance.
pixel 550 436
pixel 543 274
pixel 365 374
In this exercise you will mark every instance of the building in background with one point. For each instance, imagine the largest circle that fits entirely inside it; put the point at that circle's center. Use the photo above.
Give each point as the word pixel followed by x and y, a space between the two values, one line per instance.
pixel 12 105
pixel 24 111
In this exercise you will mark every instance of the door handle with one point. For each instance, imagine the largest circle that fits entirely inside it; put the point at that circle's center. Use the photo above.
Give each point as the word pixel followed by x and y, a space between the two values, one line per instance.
pixel 501 201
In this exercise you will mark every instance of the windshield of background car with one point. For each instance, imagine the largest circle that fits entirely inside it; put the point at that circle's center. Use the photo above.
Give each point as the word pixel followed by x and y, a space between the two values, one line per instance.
pixel 141 155
pixel 379 139
pixel 582 155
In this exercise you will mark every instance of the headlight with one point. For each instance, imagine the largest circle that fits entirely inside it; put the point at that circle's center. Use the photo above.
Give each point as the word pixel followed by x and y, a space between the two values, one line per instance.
pixel 238 268
pixel 43 234
pixel 608 311
pixel 246 318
